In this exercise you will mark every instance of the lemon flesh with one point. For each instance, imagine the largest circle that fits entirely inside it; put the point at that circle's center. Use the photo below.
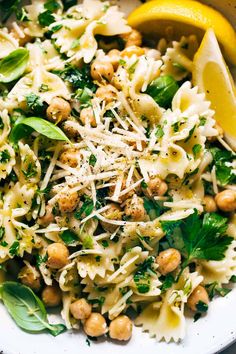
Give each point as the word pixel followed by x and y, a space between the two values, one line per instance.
pixel 212 76
pixel 185 17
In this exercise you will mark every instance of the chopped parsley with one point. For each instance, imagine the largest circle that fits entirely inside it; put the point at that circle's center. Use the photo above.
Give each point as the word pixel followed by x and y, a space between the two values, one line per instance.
pixel 4 156
pixel 85 210
pixel 68 236
pixel 222 160
pixel 92 160
pixel 31 171
pixel 105 243
pixel 2 232
pixel 167 282
pixel 35 104
pixel 142 276
pixel 68 3
pixel 198 238
pixel 202 121
pixel 201 307
pixel 13 250
pixel 190 134
pixel 41 259
pixel 159 132
pixel 196 150
pixel 52 5
pixel 46 18
pixel 214 289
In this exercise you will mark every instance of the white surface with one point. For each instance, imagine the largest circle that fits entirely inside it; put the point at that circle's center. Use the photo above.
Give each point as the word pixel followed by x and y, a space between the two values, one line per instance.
pixel 206 336
pixel 209 335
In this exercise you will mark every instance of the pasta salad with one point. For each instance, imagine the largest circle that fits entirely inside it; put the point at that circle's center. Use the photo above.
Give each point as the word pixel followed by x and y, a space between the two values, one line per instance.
pixel 117 187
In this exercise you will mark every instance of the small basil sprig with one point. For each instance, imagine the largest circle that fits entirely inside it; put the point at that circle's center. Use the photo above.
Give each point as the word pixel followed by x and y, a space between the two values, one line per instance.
pixel 27 309
pixel 24 126
pixel 13 65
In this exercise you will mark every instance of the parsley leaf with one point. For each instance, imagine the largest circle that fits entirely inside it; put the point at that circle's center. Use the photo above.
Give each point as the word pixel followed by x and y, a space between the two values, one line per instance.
pixel 68 236
pixel 214 289
pixel 4 156
pixel 46 18
pixel 153 208
pixel 7 8
pixel 92 160
pixel 168 282
pixel 202 307
pixel 2 232
pixel 52 5
pixel 224 173
pixel 35 104
pixel 13 250
pixel 68 3
pixel 196 149
pixel 85 210
pixel 159 132
pixel 198 238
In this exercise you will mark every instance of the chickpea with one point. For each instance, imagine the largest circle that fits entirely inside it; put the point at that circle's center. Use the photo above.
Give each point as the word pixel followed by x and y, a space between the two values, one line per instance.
pixel 48 217
pixel 132 38
pixel 70 131
pixel 57 255
pixel 198 294
pixel 226 200
pixel 51 296
pixel 135 208
pixel 30 277
pixel 156 187
pixel 102 70
pixel 114 57
pixel 113 213
pixel 81 309
pixel 209 204
pixel 106 93
pixel 95 325
pixel 69 157
pixel 134 50
pixel 168 260
pixel 87 116
pixel 121 328
pixel 58 110
pixel 68 201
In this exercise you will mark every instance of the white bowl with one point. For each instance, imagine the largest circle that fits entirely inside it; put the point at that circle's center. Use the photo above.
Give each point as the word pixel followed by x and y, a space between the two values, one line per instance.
pixel 208 335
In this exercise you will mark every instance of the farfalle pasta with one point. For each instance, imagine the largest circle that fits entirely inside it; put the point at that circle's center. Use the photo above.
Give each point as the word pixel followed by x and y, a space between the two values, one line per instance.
pixel 113 173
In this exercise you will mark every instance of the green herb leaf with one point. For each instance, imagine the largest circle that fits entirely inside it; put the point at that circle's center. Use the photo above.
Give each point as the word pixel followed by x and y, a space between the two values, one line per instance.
pixel 52 5
pixel 35 104
pixel 179 67
pixel 233 279
pixel 153 208
pixel 42 126
pixel 4 156
pixel 214 289
pixel 68 3
pixel 162 90
pixel 202 307
pixel 196 149
pixel 13 65
pixel 92 160
pixel 78 78
pixel 2 232
pixel 68 236
pixel 168 282
pixel 198 238
pixel 88 242
pixel 7 8
pixel 46 18
pixel 224 173
pixel 159 132
pixel 27 309
pixel 143 275
pixel 13 250
pixel 85 210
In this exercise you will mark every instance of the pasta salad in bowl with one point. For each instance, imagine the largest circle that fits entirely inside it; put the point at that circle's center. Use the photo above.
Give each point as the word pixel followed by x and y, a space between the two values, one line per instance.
pixel 117 167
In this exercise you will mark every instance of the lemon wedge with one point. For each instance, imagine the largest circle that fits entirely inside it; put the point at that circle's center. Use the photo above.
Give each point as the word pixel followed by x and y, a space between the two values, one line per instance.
pixel 186 17
pixel 212 76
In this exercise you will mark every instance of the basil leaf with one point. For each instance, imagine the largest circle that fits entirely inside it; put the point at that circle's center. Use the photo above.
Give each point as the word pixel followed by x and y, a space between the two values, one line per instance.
pixel 69 237
pixel 162 90
pixel 41 126
pixel 13 65
pixel 27 309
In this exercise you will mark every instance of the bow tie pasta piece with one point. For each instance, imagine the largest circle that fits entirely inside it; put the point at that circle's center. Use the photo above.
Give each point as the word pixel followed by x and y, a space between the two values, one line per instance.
pixel 32 83
pixel 146 70
pixel 165 319
pixel 18 236
pixel 219 271
pixel 7 44
pixel 50 59
pixel 76 37
pixel 30 168
pixel 178 61
pixel 32 27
